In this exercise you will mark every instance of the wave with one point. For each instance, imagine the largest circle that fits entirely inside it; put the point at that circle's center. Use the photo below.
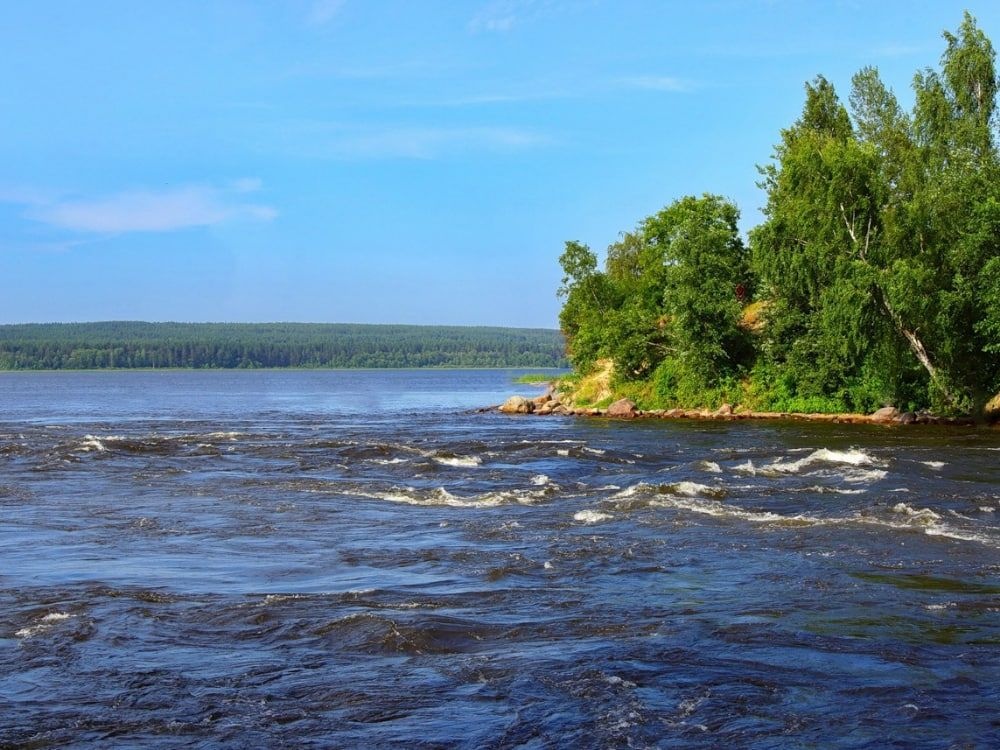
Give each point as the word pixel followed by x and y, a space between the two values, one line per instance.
pixel 461 462
pixel 591 516
pixel 43 624
pixel 852 457
pixel 853 466
pixel 442 497
pixel 695 498
pixel 689 489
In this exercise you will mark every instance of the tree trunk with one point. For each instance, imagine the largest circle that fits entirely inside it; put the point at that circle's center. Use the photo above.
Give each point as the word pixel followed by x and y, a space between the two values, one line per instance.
pixel 917 346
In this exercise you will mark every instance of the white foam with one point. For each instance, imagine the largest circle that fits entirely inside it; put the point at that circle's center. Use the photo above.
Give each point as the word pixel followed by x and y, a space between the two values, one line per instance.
pixel 388 461
pixel 539 480
pixel 710 466
pixel 441 497
pixel 863 476
pixel 92 443
pixel 747 468
pixel 461 462
pixel 905 518
pixel 722 510
pixel 693 489
pixel 562 451
pixel 835 490
pixel 590 516
pixel 852 457
pixel 934 464
pixel 922 515
pixel 687 489
pixel 44 623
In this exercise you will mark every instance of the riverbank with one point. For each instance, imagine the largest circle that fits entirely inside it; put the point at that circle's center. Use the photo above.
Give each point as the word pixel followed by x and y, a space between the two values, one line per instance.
pixel 554 403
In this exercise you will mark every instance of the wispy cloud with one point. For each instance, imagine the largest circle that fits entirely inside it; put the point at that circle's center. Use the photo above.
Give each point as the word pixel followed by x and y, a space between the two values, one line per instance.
pixel 540 91
pixel 332 141
pixel 164 210
pixel 901 50
pixel 321 12
pixel 501 15
pixel 655 83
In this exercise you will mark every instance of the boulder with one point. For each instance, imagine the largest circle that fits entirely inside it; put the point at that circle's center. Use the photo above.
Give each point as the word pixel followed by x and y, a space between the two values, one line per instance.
pixel 516 405
pixel 907 417
pixel 623 407
pixel 726 410
pixel 885 414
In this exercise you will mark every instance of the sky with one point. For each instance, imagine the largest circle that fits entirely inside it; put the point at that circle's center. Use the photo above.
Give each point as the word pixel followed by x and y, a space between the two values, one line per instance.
pixel 384 161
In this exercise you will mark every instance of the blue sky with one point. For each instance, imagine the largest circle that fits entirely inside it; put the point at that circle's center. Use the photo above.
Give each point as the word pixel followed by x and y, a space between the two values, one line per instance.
pixel 390 161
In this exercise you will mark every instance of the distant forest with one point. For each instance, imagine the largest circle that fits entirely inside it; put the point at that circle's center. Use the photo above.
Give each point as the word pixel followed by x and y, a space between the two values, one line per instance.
pixel 89 346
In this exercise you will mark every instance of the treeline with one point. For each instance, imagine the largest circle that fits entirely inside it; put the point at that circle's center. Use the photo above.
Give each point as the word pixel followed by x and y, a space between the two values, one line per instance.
pixel 874 278
pixel 56 346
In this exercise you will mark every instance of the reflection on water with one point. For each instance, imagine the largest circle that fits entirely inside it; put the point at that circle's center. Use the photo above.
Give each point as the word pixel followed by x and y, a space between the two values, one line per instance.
pixel 354 559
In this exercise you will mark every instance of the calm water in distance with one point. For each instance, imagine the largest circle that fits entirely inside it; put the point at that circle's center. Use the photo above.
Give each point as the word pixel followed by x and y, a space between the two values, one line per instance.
pixel 356 559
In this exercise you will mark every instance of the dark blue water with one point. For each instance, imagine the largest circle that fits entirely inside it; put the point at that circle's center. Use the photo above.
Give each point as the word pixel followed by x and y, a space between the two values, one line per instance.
pixel 354 559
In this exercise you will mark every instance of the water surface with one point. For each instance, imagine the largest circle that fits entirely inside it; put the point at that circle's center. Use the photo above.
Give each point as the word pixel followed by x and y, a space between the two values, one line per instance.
pixel 352 558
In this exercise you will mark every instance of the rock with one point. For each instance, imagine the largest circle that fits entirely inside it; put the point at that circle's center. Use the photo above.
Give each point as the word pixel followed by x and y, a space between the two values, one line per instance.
pixel 726 410
pixel 544 409
pixel 560 410
pixel 907 417
pixel 539 400
pixel 623 407
pixel 885 414
pixel 516 405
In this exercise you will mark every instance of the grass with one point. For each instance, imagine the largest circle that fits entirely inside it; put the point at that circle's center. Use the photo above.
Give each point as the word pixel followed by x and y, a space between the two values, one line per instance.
pixel 535 378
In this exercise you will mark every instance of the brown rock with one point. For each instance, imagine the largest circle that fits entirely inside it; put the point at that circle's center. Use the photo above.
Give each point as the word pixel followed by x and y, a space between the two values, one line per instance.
pixel 726 410
pixel 623 407
pixel 517 405
pixel 885 414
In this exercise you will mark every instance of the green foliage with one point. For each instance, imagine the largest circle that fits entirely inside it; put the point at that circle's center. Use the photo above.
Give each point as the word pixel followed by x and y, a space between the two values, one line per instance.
pixel 669 291
pixel 878 262
pixel 535 378
pixel 221 345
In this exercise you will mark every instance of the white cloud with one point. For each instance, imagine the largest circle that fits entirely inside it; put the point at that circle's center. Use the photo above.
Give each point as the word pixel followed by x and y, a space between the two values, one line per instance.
pixel 323 11
pixel 166 210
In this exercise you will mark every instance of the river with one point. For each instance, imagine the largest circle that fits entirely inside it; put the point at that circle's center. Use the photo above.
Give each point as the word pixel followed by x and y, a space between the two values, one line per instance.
pixel 357 559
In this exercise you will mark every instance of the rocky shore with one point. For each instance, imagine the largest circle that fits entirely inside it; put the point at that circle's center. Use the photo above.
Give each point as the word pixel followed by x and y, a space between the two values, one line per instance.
pixel 552 403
